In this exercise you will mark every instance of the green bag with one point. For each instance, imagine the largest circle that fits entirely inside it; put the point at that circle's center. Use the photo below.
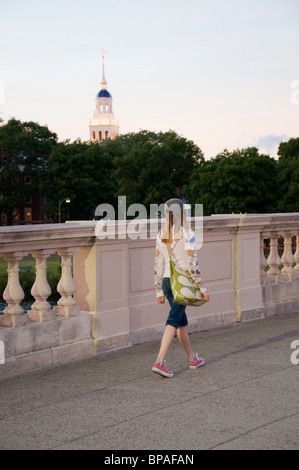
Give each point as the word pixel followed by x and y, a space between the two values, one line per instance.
pixel 185 290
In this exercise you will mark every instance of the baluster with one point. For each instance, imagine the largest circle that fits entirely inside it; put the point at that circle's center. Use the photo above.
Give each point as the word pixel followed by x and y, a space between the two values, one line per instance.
pixel 263 263
pixel 41 290
pixel 296 257
pixel 13 293
pixel 274 259
pixel 66 305
pixel 287 258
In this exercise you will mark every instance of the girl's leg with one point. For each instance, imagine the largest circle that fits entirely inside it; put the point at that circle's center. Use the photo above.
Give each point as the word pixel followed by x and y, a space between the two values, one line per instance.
pixel 166 342
pixel 185 341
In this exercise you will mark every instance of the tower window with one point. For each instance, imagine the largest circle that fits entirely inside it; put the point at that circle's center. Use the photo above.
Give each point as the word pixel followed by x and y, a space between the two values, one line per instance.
pixel 106 108
pixel 100 136
pixel 93 136
pixel 106 135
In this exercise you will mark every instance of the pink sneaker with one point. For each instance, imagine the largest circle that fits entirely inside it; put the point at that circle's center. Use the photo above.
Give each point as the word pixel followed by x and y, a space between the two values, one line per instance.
pixel 159 368
pixel 196 362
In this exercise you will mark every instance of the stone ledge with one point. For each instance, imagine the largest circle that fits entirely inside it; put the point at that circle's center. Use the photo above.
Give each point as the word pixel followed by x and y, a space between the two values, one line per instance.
pixel 281 298
pixel 72 351
pixel 291 306
pixel 46 358
pixel 144 335
pixel 26 363
pixel 205 322
pixel 253 314
pixel 113 342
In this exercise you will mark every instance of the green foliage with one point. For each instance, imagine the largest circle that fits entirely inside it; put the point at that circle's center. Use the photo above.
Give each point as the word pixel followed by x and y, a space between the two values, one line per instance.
pixel 154 167
pixel 24 149
pixel 288 176
pixel 146 167
pixel 81 171
pixel 240 181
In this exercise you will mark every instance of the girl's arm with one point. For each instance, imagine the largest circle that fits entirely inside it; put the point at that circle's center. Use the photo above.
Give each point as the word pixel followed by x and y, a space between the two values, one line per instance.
pixel 158 271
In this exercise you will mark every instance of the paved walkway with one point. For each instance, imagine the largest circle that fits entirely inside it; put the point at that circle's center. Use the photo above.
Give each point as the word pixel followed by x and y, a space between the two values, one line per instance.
pixel 246 396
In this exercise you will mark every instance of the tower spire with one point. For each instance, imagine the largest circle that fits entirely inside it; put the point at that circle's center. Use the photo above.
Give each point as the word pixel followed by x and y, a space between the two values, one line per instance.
pixel 103 126
pixel 103 82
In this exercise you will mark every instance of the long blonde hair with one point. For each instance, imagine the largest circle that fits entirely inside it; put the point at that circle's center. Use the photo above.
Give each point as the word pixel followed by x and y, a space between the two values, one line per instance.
pixel 175 220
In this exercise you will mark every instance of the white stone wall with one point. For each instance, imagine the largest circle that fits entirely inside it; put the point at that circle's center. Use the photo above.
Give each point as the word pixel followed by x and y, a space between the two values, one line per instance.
pixel 107 295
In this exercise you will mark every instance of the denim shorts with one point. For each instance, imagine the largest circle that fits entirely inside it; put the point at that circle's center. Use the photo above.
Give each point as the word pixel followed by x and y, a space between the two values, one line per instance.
pixel 177 316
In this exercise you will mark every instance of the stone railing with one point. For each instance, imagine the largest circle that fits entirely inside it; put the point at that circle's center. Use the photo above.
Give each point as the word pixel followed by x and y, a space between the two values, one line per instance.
pixel 250 264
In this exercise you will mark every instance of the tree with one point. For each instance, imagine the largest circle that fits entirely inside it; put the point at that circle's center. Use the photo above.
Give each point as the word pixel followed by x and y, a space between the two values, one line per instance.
pixel 240 181
pixel 81 171
pixel 153 167
pixel 24 150
pixel 145 167
pixel 288 175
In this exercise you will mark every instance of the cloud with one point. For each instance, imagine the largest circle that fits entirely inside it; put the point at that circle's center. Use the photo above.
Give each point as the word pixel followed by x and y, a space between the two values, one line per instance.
pixel 269 143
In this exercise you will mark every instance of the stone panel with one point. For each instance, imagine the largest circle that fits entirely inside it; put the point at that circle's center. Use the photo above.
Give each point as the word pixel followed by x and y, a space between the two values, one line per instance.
pixel 142 269
pixel 111 271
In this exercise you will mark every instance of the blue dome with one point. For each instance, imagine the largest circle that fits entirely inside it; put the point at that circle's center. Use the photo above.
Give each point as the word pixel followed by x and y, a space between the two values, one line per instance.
pixel 104 94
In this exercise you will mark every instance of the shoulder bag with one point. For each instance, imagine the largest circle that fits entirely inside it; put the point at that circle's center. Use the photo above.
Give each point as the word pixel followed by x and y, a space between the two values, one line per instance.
pixel 185 290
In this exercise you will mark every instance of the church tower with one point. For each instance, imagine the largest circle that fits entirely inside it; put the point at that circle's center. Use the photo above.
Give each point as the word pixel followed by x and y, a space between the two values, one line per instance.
pixel 103 126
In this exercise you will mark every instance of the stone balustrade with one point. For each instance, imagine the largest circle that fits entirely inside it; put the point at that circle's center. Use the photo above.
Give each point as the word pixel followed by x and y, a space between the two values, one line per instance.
pixel 250 264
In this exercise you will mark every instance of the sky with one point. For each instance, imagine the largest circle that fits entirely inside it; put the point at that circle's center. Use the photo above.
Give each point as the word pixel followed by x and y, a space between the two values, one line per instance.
pixel 222 73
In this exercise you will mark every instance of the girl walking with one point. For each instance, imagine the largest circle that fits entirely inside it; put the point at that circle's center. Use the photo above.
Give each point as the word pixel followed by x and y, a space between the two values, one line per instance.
pixel 178 237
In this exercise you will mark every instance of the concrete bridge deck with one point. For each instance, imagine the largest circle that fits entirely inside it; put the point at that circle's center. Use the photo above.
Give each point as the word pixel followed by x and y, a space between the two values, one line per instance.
pixel 246 396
